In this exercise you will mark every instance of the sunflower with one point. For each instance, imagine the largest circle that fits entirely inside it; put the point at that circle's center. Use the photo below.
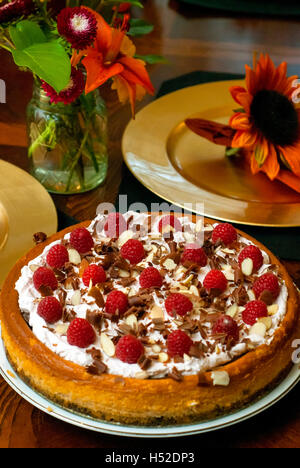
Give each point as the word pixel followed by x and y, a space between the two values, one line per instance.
pixel 268 123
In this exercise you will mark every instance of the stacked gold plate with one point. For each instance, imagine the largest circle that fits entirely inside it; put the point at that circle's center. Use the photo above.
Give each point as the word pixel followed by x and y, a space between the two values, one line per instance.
pixel 25 208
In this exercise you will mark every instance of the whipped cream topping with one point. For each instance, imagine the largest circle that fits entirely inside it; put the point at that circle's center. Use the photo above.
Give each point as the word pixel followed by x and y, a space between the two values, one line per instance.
pixel 209 351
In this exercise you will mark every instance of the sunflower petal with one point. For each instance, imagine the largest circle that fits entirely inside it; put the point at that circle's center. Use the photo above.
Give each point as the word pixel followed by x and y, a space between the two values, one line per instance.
pixel 271 165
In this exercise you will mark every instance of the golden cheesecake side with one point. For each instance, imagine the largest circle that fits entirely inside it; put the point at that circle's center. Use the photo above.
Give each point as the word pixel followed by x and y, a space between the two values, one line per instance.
pixel 144 402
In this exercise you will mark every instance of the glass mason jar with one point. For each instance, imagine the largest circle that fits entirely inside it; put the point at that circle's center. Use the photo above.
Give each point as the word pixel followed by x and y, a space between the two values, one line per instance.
pixel 67 143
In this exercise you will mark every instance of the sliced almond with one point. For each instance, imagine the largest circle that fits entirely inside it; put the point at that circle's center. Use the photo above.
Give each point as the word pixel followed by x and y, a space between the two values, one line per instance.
pixel 228 251
pixel 247 266
pixel 124 237
pixel 188 280
pixel 186 358
pixel 194 290
pixel 141 375
pixel 157 313
pixel 267 321
pixel 199 225
pixel 74 257
pixel 229 275
pixel 61 328
pixel 33 267
pixel 167 228
pixel 189 237
pixel 163 357
pixel 232 310
pixel 131 320
pixel 76 298
pixel 156 348
pixel 251 295
pixel 169 264
pixel 258 328
pixel 107 345
pixel 124 274
pixel 273 309
pixel 220 378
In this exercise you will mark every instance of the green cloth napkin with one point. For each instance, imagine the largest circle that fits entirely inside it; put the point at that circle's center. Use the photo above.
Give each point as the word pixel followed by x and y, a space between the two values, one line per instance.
pixel 266 7
pixel 284 242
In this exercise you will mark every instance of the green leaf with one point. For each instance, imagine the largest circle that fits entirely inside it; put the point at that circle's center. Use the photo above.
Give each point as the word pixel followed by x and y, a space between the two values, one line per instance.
pixel 139 27
pixel 132 2
pixel 229 152
pixel 25 34
pixel 152 59
pixel 48 60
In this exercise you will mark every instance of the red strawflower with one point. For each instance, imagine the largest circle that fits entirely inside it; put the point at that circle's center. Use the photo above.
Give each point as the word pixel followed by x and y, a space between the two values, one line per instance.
pixel 69 94
pixel 17 9
pixel 78 25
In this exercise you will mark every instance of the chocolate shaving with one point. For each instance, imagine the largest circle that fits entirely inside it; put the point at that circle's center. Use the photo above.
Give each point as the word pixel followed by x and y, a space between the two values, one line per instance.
pixel 39 237
pixel 175 375
pixel 267 297
pixel 45 291
pixel 144 362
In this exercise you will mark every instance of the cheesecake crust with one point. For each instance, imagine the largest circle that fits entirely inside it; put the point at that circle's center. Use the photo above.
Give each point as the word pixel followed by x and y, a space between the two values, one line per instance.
pixel 145 402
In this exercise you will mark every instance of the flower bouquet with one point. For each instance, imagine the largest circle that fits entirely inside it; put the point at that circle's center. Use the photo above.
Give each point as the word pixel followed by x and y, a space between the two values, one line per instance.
pixel 265 129
pixel 72 49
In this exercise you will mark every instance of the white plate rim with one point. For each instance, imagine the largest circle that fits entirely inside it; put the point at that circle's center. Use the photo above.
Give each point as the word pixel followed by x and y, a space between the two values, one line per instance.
pixel 52 409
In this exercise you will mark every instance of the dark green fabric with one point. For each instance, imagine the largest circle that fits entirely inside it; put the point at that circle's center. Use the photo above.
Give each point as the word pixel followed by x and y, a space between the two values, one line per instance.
pixel 284 242
pixel 261 7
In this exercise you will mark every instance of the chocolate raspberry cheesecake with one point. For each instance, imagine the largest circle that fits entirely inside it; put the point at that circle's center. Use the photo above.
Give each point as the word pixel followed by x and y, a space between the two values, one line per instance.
pixel 150 319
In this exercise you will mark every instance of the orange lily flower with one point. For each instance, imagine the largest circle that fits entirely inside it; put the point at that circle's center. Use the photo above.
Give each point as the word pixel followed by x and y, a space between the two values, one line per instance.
pixel 112 56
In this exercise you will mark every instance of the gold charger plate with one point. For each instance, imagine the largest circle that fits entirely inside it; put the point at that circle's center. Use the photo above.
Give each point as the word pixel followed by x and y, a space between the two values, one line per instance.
pixel 25 208
pixel 184 168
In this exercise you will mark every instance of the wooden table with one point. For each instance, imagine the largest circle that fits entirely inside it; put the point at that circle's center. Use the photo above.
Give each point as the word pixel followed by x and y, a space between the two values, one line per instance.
pixel 192 39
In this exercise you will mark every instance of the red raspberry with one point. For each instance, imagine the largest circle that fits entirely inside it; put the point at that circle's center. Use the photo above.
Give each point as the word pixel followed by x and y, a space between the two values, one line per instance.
pixel 133 250
pixel 267 282
pixel 178 304
pixel 253 252
pixel 81 240
pixel 178 343
pixel 50 309
pixel 129 349
pixel 80 333
pixel 224 232
pixel 95 273
pixel 225 324
pixel 115 225
pixel 253 311
pixel 43 276
pixel 194 253
pixel 150 278
pixel 215 279
pixel 169 220
pixel 57 256
pixel 116 303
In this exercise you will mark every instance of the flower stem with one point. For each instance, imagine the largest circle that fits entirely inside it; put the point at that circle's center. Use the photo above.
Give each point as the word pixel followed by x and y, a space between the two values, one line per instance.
pixel 77 157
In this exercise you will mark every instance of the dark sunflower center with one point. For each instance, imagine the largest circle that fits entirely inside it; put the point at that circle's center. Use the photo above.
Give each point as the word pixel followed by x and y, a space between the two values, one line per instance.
pixel 276 117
